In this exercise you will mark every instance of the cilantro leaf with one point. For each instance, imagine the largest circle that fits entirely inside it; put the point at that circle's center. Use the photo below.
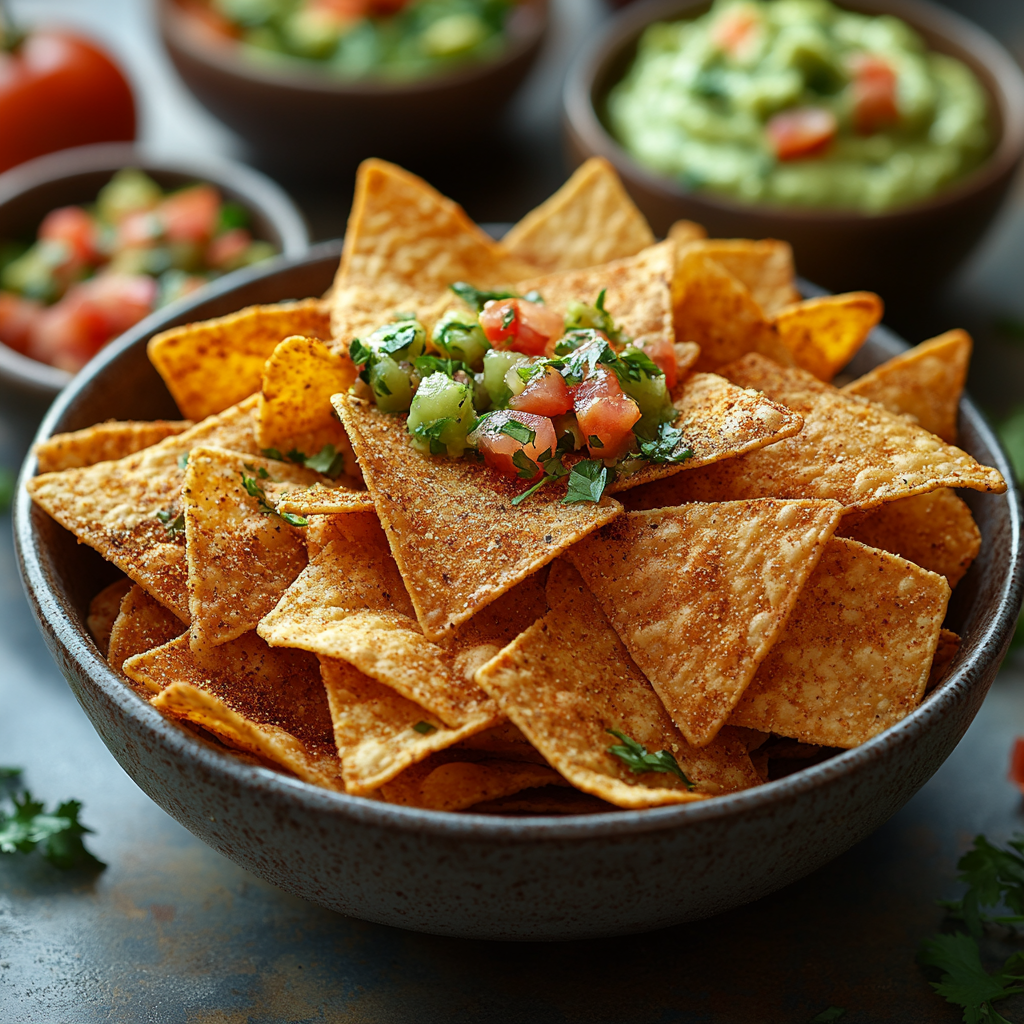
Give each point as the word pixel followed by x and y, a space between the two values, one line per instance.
pixel 253 489
pixel 272 453
pixel 553 470
pixel 594 441
pixel 328 461
pixel 401 337
pixel 992 876
pixel 587 481
pixel 636 363
pixel 666 446
pixel 518 431
pixel 293 520
pixel 362 355
pixel 7 480
pixel 424 728
pixel 636 758
pixel 476 297
pixel 965 982
pixel 528 469
pixel 431 433
pixel 426 365
pixel 173 524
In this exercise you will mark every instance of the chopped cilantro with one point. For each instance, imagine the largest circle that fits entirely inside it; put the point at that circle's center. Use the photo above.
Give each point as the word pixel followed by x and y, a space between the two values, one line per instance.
pixel 477 297
pixel 528 469
pixel 260 471
pixel 232 215
pixel 431 433
pixel 401 337
pixel 173 524
pixel 328 461
pixel 965 982
pixel 518 431
pixel 293 520
pixel 254 490
pixel 7 479
pixel 362 355
pixel 272 453
pixel 508 318
pixel 635 363
pixel 667 446
pixel 425 728
pixel 553 470
pixel 587 481
pixel 993 876
pixel 426 365
pixel 594 441
pixel 183 460
pixel 636 758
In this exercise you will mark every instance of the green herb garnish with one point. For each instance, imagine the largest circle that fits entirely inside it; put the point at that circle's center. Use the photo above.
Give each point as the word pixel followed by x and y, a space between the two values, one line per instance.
pixel 173 524
pixel 426 365
pixel 553 470
pixel 965 982
pixel 425 728
pixel 528 469
pixel 431 433
pixel 587 481
pixel 518 431
pixel 477 297
pixel 253 489
pixel 666 446
pixel 327 461
pixel 183 460
pixel 636 758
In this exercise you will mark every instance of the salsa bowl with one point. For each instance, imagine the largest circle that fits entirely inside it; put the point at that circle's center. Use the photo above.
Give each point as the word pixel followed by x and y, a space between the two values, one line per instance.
pixel 488 876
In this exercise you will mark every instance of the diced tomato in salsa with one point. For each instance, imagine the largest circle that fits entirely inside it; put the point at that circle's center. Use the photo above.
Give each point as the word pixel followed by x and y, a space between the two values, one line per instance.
pixel 605 415
pixel 226 249
pixel 523 326
pixel 500 448
pixel 191 214
pixel 735 31
pixel 75 228
pixel 662 353
pixel 18 318
pixel 874 93
pixel 802 132
pixel 545 395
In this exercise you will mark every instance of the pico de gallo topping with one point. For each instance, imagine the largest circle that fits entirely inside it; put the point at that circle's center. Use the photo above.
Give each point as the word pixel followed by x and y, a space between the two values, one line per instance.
pixel 536 395
pixel 94 271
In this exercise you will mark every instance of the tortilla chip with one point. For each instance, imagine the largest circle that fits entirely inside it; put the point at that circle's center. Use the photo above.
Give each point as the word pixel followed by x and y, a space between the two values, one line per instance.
pixel 213 364
pixel 718 421
pixel 458 540
pixel 717 311
pixel 945 652
pixel 141 625
pixel 824 334
pixel 588 221
pixel 269 703
pixel 544 801
pixel 764 267
pixel 504 741
pixel 699 594
pixel 104 442
pixel 849 450
pixel 295 412
pixel 855 656
pixel 113 506
pixel 925 382
pixel 683 232
pixel 687 354
pixel 568 679
pixel 240 559
pixel 103 610
pixel 318 500
pixel 936 530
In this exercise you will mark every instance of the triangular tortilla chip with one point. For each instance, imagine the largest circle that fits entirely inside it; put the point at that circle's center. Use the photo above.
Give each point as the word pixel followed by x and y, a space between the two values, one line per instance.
pixel 267 702
pixel 588 221
pixel 320 500
pixel 824 334
pixel 128 510
pixel 105 442
pixel 699 594
pixel 945 652
pixel 925 382
pixel 458 540
pixel 544 801
pixel 764 267
pixel 213 364
pixel 855 655
pixel 568 679
pixel 103 610
pixel 849 450
pixel 936 530
pixel 141 625
pixel 683 232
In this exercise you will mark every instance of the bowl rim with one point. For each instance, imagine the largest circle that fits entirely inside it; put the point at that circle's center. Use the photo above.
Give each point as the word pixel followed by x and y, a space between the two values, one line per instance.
pixel 175 31
pixel 621 31
pixel 257 191
pixel 229 770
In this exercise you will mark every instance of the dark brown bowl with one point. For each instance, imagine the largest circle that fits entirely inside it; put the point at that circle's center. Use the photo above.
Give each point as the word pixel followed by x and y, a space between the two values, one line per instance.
pixel 476 875
pixel 31 190
pixel 908 250
pixel 297 115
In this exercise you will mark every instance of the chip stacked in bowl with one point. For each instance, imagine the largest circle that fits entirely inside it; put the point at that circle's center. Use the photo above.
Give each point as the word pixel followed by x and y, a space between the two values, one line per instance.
pixel 432 612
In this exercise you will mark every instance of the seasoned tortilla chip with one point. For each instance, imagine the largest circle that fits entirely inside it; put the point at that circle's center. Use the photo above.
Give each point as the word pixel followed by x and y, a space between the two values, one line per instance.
pixel 103 610
pixel 504 741
pixel 543 801
pixel 925 382
pixel 240 558
pixel 945 652
pixel 141 625
pixel 683 232
pixel 128 510
pixel 855 655
pixel 849 450
pixel 295 412
pixel 568 679
pixel 214 364
pixel 764 267
pixel 588 221
pixel 699 594
pixel 104 442
pixel 320 500
pixel 824 334
pixel 687 354
pixel 718 421
pixel 267 702
pixel 458 540
pixel 936 530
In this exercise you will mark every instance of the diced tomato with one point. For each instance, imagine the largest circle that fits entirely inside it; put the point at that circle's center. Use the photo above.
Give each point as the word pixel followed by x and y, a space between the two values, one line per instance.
pixel 347 10
pixel 520 325
pixel 1017 763
pixel 75 228
pixel 874 93
pixel 18 318
pixel 191 214
pixel 605 415
pixel 545 395
pixel 662 352
pixel 139 230
pixel 802 132
pixel 499 448
pixel 226 249
pixel 736 31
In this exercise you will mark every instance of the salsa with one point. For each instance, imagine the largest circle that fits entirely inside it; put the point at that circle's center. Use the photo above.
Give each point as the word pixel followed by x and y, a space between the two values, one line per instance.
pixel 394 39
pixel 799 103
pixel 94 271
pixel 534 394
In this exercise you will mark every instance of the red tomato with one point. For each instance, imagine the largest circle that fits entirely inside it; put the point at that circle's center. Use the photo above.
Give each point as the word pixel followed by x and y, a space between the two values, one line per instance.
pixel 500 448
pixel 605 413
pixel 57 91
pixel 18 318
pixel 139 230
pixel 874 93
pixel 802 132
pixel 735 31
pixel 545 395
pixel 191 214
pixel 520 325
pixel 225 250
pixel 662 353
pixel 75 228
pixel 1017 763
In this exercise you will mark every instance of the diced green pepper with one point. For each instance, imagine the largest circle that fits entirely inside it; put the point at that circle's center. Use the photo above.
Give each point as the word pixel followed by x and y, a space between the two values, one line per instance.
pixel 402 339
pixel 391 384
pixel 497 362
pixel 440 416
pixel 458 336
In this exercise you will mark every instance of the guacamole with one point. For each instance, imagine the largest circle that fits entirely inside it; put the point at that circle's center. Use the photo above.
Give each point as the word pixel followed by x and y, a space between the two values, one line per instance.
pixel 799 103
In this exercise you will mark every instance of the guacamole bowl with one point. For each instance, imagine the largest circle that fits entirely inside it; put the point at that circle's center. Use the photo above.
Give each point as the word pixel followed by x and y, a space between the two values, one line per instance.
pixel 492 876
pixel 906 250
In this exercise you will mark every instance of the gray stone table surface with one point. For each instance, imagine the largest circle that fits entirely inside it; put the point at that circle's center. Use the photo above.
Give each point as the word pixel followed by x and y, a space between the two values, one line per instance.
pixel 174 933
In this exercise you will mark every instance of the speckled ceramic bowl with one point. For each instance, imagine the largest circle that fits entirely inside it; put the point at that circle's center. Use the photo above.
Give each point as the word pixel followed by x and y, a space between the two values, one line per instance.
pixel 483 876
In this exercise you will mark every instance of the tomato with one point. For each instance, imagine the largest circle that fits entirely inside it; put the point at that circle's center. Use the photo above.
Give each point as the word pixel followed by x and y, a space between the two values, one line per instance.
pixel 545 395
pixel 500 448
pixel 606 414
pixel 1017 763
pixel 801 132
pixel 662 352
pixel 520 325
pixel 139 230
pixel 735 32
pixel 18 318
pixel 226 250
pixel 190 215
pixel 874 93
pixel 57 91
pixel 75 228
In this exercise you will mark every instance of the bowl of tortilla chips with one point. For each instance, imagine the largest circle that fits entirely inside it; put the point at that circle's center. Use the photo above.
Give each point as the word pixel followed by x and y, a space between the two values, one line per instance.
pixel 389 681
